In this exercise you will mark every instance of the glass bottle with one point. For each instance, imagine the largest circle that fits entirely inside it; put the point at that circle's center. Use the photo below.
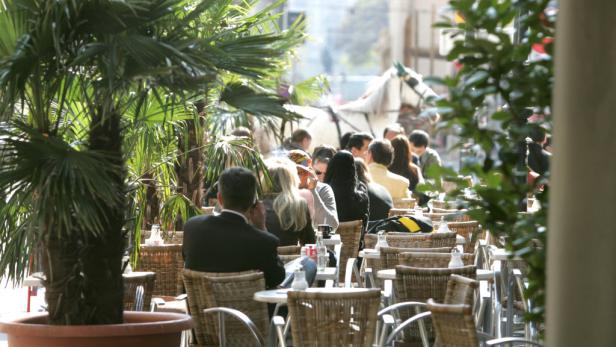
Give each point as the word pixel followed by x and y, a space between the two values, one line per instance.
pixel 382 240
pixel 322 255
pixel 299 280
pixel 456 259
pixel 418 211
pixel 443 227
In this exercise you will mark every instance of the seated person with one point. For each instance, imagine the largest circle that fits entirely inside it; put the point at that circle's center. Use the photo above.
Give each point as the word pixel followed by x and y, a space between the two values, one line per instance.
pixel 287 214
pixel 392 130
pixel 300 139
pixel 380 156
pixel 420 145
pixel 322 195
pixel 379 198
pixel 358 144
pixel 235 240
pixel 538 159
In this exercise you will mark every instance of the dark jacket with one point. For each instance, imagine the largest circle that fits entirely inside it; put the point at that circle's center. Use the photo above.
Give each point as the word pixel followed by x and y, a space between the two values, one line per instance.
pixel 538 158
pixel 353 206
pixel 380 201
pixel 287 237
pixel 226 243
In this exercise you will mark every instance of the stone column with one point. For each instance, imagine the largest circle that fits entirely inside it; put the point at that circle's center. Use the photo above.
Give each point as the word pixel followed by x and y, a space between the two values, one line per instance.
pixel 581 268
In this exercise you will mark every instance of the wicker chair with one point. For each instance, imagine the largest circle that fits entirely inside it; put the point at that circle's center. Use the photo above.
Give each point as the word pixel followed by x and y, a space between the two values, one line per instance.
pixel 460 290
pixel 469 230
pixel 455 216
pixel 417 285
pixel 342 318
pixel 207 290
pixel 404 203
pixel 350 235
pixel 138 288
pixel 167 263
pixel 400 212
pixel 442 204
pixel 170 236
pixel 417 240
pixel 432 260
pixel 289 250
pixel 455 326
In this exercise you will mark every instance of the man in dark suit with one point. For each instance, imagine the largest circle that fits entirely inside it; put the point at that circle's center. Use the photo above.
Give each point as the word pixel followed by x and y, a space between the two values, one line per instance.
pixel 235 240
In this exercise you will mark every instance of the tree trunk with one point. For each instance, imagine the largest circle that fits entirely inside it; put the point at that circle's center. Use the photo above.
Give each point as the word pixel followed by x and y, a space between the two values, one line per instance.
pixel 102 263
pixel 84 275
pixel 189 167
pixel 152 208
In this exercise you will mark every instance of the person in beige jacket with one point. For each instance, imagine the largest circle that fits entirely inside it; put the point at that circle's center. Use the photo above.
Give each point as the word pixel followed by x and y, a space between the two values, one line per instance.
pixel 379 157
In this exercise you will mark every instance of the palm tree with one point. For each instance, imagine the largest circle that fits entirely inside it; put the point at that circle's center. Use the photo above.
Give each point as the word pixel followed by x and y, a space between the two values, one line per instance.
pixel 69 73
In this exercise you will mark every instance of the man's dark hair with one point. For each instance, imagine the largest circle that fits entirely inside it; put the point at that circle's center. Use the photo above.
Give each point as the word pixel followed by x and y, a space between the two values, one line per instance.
pixel 299 135
pixel 238 187
pixel 357 140
pixel 419 138
pixel 323 153
pixel 382 152
pixel 393 127
pixel 344 140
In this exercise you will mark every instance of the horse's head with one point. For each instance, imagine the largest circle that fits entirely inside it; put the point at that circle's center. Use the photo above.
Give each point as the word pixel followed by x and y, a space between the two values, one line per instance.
pixel 413 90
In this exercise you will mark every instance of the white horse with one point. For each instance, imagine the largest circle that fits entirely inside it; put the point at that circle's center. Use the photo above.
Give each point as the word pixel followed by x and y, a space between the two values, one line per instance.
pixel 376 109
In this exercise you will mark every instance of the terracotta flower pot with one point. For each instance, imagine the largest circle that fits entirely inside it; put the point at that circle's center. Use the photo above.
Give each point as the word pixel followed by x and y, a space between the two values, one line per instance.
pixel 152 329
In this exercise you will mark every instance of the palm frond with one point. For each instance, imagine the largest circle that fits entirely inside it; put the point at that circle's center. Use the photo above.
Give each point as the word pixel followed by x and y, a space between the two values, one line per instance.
pixel 66 188
pixel 175 206
pixel 227 151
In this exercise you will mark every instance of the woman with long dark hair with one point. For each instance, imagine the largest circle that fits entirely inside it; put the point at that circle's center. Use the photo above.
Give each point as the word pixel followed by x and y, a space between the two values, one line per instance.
pixel 351 195
pixel 403 164
pixel 378 196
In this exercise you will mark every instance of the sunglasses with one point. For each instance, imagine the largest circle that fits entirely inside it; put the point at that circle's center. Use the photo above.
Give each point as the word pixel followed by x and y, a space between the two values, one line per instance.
pixel 319 173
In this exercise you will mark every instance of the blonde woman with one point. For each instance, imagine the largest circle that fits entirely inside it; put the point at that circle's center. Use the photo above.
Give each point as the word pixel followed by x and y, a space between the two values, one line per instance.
pixel 287 214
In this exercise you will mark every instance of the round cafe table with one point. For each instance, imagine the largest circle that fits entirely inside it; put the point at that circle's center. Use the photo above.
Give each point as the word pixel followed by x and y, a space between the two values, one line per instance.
pixel 333 240
pixel 369 253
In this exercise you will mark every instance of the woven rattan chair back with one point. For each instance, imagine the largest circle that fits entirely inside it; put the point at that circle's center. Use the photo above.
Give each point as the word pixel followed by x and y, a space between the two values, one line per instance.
pixel 432 260
pixel 442 204
pixel 138 287
pixel 233 290
pixel 169 237
pixel 421 284
pixel 167 263
pixel 470 230
pixel 443 240
pixel 404 203
pixel 350 235
pixel 400 212
pixel 450 216
pixel 390 256
pixel 454 324
pixel 289 250
pixel 460 290
pixel 417 240
pixel 345 318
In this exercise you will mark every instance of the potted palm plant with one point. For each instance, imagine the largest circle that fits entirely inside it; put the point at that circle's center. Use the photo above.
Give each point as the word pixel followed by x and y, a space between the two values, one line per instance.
pixel 70 71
